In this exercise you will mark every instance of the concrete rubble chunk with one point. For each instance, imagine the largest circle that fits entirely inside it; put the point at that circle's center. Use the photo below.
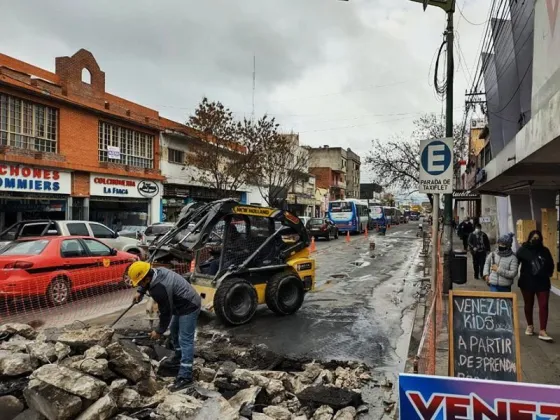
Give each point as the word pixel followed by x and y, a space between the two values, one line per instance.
pixel 250 377
pixel 128 362
pixel 261 416
pixel 336 398
pixel 244 398
pixel 15 364
pixel 70 380
pixel 62 350
pixel 347 413
pixel 277 412
pixel 274 387
pixel 226 369
pixel 95 367
pixel 10 407
pixel 217 408
pixel 178 407
pixel 83 339
pixel 118 385
pixel 96 352
pixel 30 414
pixel 17 344
pixel 103 409
pixel 323 413
pixel 206 374
pixel 300 417
pixel 52 402
pixel 42 351
pixel 129 398
pixel 326 377
pixel 149 386
pixel 312 370
pixel 26 331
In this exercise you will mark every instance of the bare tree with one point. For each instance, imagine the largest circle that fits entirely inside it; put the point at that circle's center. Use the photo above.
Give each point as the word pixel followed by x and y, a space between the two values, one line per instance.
pixel 283 163
pixel 229 157
pixel 396 161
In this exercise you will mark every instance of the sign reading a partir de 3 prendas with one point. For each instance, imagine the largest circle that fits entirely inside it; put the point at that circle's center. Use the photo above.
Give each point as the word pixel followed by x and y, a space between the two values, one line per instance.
pixel 436 166
pixel 424 397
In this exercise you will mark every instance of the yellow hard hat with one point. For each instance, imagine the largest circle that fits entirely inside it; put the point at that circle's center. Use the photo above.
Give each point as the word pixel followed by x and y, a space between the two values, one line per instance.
pixel 137 271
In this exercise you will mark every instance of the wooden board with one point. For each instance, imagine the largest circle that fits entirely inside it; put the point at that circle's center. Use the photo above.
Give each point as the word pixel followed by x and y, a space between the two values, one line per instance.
pixel 484 335
pixel 550 235
pixel 523 228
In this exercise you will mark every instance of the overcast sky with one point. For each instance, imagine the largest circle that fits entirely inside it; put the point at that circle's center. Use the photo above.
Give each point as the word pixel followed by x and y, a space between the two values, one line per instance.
pixel 340 73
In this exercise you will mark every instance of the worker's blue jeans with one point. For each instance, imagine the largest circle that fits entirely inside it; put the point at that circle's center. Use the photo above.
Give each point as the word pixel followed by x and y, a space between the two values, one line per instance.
pixel 182 331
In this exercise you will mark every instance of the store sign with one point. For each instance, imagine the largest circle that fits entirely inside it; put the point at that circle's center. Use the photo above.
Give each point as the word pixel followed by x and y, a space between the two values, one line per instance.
pixel 103 185
pixel 21 178
pixel 434 397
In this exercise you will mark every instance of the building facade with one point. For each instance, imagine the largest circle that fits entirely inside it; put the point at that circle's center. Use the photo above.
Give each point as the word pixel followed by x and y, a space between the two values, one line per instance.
pixel 71 150
pixel 337 170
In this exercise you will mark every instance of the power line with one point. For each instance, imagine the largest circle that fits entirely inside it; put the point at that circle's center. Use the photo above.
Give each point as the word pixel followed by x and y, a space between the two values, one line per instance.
pixel 467 20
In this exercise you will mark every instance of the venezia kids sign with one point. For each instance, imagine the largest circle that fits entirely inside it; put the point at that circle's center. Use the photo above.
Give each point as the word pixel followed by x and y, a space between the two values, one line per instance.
pixel 21 178
pixel 434 398
pixel 103 185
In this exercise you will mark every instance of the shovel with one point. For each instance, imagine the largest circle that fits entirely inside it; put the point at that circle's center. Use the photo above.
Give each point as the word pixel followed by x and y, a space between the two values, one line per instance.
pixel 123 314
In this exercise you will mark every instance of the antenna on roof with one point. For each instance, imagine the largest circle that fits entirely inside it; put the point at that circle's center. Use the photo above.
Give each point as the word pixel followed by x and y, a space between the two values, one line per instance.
pixel 254 78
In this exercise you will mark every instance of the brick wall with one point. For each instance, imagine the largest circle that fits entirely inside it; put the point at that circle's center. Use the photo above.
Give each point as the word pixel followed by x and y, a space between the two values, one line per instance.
pixel 323 177
pixel 80 184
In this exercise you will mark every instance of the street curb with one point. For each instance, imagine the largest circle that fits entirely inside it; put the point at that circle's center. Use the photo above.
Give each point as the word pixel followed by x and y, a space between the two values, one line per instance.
pixel 416 335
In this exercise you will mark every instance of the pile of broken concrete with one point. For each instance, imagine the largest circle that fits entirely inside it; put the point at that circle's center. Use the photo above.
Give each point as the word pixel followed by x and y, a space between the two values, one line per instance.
pixel 94 374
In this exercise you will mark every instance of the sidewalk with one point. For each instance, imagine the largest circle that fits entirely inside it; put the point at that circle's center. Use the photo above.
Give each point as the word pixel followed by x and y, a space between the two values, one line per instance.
pixel 540 361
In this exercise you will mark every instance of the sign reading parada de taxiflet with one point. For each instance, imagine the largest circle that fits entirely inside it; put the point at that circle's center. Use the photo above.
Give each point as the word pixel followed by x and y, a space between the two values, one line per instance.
pixel 112 186
pixel 436 166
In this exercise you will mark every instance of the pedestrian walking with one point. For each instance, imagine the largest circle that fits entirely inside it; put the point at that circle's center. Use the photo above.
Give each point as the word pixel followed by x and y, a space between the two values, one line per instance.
pixel 479 245
pixel 537 266
pixel 464 230
pixel 179 306
pixel 501 266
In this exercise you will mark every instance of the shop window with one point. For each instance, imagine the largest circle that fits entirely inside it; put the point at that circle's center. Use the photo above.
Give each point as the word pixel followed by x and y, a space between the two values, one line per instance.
pixel 128 147
pixel 27 125
pixel 100 231
pixel 72 248
pixel 97 249
pixel 77 229
pixel 175 156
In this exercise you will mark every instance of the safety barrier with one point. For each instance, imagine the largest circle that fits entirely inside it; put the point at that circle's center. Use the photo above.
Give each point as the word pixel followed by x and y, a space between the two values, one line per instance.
pixel 425 360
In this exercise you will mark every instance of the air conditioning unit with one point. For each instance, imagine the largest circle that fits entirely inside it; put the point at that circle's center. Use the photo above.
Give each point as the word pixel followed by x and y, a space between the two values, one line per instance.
pixel 478 123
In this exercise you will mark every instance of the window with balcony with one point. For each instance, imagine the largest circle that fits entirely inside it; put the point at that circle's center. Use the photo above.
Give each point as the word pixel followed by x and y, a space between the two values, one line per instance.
pixel 125 146
pixel 27 125
pixel 175 156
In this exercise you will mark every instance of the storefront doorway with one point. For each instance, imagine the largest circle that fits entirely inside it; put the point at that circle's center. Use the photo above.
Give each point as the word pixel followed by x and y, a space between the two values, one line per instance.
pixel 13 209
pixel 118 212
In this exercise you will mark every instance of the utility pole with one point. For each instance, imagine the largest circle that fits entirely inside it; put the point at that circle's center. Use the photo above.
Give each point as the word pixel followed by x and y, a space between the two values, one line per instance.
pixel 449 7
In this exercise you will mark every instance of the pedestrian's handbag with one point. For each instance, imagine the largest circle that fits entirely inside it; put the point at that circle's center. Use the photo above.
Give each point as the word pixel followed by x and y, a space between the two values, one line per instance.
pixel 537 266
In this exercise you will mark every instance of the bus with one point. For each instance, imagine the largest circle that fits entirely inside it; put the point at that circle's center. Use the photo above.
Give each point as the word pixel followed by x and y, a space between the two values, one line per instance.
pixel 377 215
pixel 349 215
pixel 391 215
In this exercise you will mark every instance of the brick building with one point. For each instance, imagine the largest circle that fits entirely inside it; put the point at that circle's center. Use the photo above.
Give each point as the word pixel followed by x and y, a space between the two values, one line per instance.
pixel 71 150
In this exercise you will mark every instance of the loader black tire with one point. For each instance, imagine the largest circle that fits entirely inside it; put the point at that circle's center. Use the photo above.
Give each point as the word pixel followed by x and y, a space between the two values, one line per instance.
pixel 284 293
pixel 235 301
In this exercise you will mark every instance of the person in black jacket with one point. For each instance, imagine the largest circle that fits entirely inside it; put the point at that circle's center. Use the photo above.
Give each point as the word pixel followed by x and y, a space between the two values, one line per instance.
pixel 479 245
pixel 464 230
pixel 537 266
pixel 179 305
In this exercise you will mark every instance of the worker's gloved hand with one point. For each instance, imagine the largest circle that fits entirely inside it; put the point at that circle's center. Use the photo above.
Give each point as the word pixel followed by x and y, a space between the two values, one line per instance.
pixel 138 298
pixel 154 335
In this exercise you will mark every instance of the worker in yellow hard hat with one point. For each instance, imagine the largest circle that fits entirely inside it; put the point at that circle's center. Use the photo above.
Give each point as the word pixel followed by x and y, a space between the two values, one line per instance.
pixel 179 306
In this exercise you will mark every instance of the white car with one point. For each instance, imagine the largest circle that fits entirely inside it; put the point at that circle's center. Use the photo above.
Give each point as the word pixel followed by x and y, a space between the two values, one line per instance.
pixel 36 228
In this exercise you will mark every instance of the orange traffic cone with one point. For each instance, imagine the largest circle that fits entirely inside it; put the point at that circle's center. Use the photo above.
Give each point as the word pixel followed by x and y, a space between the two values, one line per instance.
pixel 313 247
pixel 192 266
pixel 348 236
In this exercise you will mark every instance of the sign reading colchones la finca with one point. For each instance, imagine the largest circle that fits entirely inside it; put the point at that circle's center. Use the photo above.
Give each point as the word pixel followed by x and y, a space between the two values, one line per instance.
pixel 436 166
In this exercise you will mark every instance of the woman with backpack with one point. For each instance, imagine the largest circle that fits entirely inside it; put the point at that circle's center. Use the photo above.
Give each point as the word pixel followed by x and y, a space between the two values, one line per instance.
pixel 537 266
pixel 500 268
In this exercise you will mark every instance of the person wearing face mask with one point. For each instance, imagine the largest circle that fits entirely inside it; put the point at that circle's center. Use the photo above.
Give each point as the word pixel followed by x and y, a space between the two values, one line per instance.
pixel 537 266
pixel 464 230
pixel 500 268
pixel 479 245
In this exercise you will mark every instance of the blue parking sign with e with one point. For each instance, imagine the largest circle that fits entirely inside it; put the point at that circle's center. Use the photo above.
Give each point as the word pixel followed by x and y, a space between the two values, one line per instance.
pixel 436 158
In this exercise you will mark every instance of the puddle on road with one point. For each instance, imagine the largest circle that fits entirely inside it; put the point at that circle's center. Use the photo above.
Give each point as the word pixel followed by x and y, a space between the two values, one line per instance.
pixel 339 276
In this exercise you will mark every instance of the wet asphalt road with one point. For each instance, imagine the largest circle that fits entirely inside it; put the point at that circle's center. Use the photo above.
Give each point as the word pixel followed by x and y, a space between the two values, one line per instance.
pixel 359 306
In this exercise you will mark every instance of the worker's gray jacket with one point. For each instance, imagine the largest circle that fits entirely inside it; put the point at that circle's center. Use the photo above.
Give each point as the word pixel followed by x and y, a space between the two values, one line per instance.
pixel 173 294
pixel 507 269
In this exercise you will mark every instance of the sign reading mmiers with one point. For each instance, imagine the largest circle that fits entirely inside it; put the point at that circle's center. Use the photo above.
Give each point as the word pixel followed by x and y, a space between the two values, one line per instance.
pixel 21 178
pixel 436 166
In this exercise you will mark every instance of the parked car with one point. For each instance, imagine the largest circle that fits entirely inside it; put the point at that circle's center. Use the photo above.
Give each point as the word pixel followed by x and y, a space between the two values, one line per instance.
pixel 57 266
pixel 132 231
pixel 322 228
pixel 154 231
pixel 40 228
pixel 304 219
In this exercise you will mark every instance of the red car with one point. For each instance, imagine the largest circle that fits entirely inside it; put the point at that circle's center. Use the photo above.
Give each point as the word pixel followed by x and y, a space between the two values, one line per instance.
pixel 57 266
